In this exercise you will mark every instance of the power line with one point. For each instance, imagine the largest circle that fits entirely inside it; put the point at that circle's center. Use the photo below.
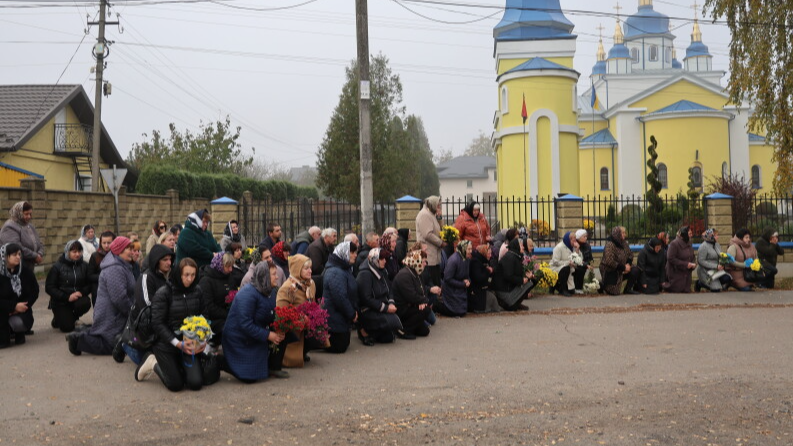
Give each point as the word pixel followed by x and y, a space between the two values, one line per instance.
pixel 465 22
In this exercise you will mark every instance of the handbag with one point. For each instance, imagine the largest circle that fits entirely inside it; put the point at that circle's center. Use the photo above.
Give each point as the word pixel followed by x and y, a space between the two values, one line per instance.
pixel 138 332
pixel 751 275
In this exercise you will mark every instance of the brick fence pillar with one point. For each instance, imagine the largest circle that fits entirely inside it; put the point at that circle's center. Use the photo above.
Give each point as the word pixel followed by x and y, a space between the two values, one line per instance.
pixel 222 210
pixel 719 214
pixel 569 214
pixel 407 208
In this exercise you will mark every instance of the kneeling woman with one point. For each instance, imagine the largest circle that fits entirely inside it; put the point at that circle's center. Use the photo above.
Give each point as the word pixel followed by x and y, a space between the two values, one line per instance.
pixel 18 291
pixel 178 363
pixel 247 334
pixel 710 272
pixel 377 309
pixel 410 297
pixel 68 287
pixel 456 280
pixel 340 296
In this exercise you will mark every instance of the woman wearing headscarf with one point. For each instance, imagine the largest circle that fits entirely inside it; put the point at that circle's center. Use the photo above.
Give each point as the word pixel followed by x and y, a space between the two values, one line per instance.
pixel 68 287
pixel 428 231
pixel 710 271
pixel 473 225
pixel 232 233
pixel 215 284
pixel 680 262
pixel 281 256
pixel 247 334
pixel 89 241
pixel 768 250
pixel 340 295
pixel 156 231
pixel 585 249
pixel 510 235
pixel 19 230
pixel 196 240
pixel 410 297
pixel 616 263
pixel 297 289
pixel 456 280
pixel 376 306
pixel 741 249
pixel 388 243
pixel 510 282
pixel 480 272
pixel 562 263
pixel 651 266
pixel 19 289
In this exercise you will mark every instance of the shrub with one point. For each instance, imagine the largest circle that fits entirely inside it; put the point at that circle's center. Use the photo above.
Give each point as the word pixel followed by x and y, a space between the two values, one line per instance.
pixel 766 208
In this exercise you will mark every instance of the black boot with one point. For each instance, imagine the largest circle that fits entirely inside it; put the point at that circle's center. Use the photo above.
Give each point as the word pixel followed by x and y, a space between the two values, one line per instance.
pixel 118 352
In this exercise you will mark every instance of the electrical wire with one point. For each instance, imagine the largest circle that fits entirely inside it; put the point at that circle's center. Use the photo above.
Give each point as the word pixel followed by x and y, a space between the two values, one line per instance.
pixel 465 22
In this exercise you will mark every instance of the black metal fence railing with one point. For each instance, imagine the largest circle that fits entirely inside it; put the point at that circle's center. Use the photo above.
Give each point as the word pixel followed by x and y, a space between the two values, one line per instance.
pixel 641 219
pixel 766 212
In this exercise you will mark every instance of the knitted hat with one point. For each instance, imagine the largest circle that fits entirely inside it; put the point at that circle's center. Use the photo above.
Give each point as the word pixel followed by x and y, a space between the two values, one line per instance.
pixel 119 245
pixel 580 233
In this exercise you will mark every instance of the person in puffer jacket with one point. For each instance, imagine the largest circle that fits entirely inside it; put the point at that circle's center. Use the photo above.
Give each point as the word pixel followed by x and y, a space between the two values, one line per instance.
pixel 68 287
pixel 340 296
pixel 473 225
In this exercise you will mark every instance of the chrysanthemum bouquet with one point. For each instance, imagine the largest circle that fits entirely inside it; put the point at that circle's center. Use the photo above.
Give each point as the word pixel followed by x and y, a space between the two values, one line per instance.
pixel 195 331
pixel 316 321
pixel 577 259
pixel 725 259
pixel 546 276
pixel 450 234
pixel 591 284
pixel 287 319
pixel 531 265
pixel 230 297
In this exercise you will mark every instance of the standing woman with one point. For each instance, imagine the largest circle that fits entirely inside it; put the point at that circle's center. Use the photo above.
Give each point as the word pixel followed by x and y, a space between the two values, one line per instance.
pixel 179 365
pixel 19 230
pixel 456 281
pixel 247 334
pixel 19 289
pixel 428 231
pixel 741 249
pixel 196 240
pixel 232 234
pixel 68 287
pixel 710 271
pixel 680 262
pixel 89 241
pixel 616 263
pixel 297 289
pixel 340 295
pixel 157 230
pixel 473 225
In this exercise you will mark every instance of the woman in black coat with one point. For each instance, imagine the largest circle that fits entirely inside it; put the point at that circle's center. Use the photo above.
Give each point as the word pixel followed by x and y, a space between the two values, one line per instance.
pixel 401 248
pixel 216 283
pixel 68 287
pixel 410 297
pixel 176 364
pixel 511 283
pixel 480 272
pixel 768 250
pixel 377 308
pixel 19 289
pixel 652 263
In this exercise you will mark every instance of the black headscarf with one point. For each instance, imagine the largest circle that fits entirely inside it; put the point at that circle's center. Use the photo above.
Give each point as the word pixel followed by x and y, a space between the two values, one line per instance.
pixel 683 233
pixel 469 209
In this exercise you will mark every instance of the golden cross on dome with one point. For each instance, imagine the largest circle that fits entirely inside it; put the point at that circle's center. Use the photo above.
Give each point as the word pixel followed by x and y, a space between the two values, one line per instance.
pixel 600 30
pixel 695 7
pixel 618 7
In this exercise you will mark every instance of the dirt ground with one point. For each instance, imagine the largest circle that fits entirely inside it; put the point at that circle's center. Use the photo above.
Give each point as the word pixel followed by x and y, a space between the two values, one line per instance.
pixel 704 377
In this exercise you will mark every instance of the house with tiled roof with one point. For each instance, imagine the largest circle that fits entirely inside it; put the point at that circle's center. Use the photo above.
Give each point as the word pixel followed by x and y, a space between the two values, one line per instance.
pixel 468 177
pixel 46 131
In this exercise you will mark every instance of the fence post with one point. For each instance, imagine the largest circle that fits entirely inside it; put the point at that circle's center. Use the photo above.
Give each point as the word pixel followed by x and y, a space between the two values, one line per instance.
pixel 222 210
pixel 719 213
pixel 407 208
pixel 173 196
pixel 569 214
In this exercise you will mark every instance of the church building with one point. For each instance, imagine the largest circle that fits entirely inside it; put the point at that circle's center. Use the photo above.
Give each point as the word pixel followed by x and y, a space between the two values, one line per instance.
pixel 550 138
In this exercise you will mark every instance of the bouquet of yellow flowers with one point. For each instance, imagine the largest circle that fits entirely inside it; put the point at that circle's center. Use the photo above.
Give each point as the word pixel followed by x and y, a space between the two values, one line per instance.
pixel 546 277
pixel 247 255
pixel 450 234
pixel 756 265
pixel 725 259
pixel 195 331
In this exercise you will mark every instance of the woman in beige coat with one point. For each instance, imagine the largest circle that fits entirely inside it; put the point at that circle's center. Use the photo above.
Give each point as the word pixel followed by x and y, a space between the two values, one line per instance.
pixel 428 231
pixel 297 289
pixel 740 249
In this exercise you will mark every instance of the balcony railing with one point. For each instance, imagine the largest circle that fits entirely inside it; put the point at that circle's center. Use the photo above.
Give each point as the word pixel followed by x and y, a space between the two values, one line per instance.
pixel 73 139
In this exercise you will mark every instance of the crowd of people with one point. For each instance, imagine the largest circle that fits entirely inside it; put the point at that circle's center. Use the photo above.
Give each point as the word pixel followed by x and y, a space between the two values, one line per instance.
pixel 381 287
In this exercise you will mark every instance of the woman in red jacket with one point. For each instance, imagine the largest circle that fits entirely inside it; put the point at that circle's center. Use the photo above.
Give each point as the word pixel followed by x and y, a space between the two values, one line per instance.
pixel 473 225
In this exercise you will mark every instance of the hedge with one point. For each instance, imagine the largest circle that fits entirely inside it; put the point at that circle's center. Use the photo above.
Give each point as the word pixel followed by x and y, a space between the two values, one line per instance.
pixel 157 179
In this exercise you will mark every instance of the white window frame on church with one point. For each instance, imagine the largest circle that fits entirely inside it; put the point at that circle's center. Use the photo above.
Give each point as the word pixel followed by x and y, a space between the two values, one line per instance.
pixel 663 176
pixel 757 177
pixel 653 53
pixel 635 55
pixel 504 100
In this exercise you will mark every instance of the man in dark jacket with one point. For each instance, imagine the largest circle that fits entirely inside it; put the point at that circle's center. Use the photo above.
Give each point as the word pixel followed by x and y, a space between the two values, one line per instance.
pixel 273 236
pixel 302 240
pixel 372 241
pixel 318 251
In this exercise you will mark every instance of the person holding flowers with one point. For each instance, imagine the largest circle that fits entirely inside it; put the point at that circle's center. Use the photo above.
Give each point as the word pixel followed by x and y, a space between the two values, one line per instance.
pixel 428 231
pixel 564 261
pixel 511 281
pixel 742 250
pixel 581 237
pixel 340 295
pixel 247 334
pixel 182 334
pixel 651 266
pixel 711 263
pixel 297 289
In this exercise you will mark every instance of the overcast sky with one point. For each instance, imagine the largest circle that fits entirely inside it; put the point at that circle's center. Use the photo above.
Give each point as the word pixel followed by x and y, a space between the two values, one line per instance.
pixel 279 73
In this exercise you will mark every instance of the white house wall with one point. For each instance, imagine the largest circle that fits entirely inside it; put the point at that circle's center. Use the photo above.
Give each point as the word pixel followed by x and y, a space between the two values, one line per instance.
pixel 457 188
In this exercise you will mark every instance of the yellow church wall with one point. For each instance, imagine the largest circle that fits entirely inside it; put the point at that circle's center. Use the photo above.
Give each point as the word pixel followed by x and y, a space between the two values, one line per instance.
pixel 510 163
pixel 569 166
pixel 589 181
pixel 761 155
pixel 544 161
pixel 678 143
pixel 592 127
pixel 676 92
pixel 505 65
pixel 552 93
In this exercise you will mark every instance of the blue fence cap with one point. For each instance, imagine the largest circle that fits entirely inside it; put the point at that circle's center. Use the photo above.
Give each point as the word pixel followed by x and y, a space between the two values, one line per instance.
pixel 570 197
pixel 718 196
pixel 409 199
pixel 224 200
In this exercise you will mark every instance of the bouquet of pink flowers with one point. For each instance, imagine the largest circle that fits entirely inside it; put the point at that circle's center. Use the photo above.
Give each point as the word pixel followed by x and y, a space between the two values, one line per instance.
pixel 316 321
pixel 531 264
pixel 230 297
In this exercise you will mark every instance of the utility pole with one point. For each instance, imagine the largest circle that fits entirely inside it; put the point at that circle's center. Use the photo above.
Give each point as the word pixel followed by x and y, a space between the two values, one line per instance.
pixel 100 51
pixel 364 114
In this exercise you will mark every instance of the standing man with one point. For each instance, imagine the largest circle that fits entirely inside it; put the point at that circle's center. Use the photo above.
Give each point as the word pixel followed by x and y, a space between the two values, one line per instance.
pixel 273 236
pixel 428 231
pixel 302 240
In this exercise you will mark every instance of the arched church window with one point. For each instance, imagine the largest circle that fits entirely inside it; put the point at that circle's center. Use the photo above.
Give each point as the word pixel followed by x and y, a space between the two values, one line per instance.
pixel 653 53
pixel 504 101
pixel 663 176
pixel 756 180
pixel 635 55
pixel 604 179
pixel 696 176
pixel 668 55
pixel 725 170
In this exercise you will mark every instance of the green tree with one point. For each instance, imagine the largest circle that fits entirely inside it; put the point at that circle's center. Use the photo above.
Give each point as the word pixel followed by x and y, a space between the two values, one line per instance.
pixel 480 146
pixel 655 205
pixel 213 149
pixel 442 156
pixel 760 65
pixel 399 143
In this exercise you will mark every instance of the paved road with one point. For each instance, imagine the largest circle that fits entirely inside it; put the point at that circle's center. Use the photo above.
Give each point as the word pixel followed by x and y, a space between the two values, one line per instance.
pixel 706 377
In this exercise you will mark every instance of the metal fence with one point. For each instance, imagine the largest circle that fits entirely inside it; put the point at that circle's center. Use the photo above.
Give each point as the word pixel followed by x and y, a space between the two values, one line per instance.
pixel 766 211
pixel 296 216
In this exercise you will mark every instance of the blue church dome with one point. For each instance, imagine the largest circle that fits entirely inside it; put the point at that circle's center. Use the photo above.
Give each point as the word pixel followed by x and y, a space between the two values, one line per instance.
pixel 619 51
pixel 646 21
pixel 599 68
pixel 676 64
pixel 697 49
pixel 533 20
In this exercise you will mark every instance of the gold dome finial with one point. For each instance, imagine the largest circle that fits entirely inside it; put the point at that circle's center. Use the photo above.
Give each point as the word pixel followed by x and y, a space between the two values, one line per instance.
pixel 601 54
pixel 696 34
pixel 645 2
pixel 619 38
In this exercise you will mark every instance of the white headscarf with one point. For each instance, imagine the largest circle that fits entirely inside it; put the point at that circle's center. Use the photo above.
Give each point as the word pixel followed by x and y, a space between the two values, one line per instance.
pixel 343 251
